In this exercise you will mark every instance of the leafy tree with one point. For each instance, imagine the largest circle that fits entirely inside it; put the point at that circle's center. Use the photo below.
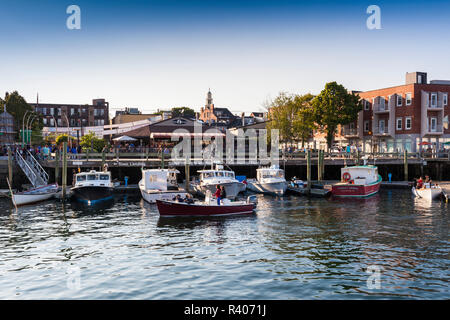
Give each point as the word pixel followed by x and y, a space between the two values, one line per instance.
pixel 292 116
pixel 89 141
pixel 62 138
pixel 18 107
pixel 335 106
pixel 183 111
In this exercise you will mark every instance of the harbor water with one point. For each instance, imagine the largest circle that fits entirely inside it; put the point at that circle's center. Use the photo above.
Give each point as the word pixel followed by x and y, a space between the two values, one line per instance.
pixel 387 246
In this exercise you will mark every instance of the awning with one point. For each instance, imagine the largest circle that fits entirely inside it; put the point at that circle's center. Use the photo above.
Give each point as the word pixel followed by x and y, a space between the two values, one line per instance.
pixel 185 134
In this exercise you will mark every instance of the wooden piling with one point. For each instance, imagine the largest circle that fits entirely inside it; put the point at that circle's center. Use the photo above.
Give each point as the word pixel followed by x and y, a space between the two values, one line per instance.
pixel 10 167
pixel 187 175
pixel 405 165
pixel 64 170
pixel 308 168
pixel 57 159
pixel 319 166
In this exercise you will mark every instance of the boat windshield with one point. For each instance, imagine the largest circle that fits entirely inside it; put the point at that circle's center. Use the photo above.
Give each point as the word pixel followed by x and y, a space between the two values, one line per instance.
pixel 208 175
pixel 272 174
pixel 92 177
pixel 219 174
pixel 229 174
pixel 81 178
pixel 104 177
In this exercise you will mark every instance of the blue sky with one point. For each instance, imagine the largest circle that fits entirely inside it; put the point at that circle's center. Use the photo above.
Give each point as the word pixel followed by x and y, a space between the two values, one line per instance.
pixel 161 54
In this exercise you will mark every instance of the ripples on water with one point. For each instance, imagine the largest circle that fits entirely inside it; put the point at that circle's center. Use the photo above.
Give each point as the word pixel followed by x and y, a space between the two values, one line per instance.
pixel 293 248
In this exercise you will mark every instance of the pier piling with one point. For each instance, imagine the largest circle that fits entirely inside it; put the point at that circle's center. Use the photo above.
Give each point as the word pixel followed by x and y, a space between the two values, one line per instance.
pixel 187 175
pixel 308 169
pixel 405 164
pixel 64 170
pixel 57 159
pixel 10 168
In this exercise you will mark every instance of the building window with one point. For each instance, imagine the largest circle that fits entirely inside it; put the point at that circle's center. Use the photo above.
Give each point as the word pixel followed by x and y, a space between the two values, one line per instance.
pixel 408 99
pixel 399 124
pixel 445 99
pixel 59 122
pixel 365 104
pixel 44 111
pixel 408 123
pixel 52 111
pixel 433 99
pixel 44 121
pixel 366 126
pixel 399 100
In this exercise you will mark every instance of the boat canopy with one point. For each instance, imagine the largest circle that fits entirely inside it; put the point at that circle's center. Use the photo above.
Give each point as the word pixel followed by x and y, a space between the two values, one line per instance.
pixel 361 174
pixel 205 174
pixel 93 175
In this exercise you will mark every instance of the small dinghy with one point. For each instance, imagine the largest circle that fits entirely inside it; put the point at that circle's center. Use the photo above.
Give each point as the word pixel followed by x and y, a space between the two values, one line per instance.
pixel 35 195
pixel 429 192
pixel 299 187
pixel 207 208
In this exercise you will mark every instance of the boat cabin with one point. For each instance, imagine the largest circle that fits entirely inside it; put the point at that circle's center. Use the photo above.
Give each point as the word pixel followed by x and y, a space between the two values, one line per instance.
pixel 160 179
pixel 273 172
pixel 360 175
pixel 93 178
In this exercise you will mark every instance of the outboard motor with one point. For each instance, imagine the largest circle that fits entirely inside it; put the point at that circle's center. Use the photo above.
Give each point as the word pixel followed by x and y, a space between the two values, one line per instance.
pixel 252 199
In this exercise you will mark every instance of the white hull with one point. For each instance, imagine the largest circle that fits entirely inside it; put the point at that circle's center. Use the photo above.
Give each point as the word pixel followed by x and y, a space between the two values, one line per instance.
pixel 232 189
pixel 152 195
pixel 278 188
pixel 428 193
pixel 23 199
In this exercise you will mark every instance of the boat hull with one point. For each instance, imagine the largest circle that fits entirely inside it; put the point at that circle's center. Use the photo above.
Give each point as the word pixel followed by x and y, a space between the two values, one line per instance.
pixel 169 208
pixel 428 193
pixel 92 194
pixel 356 191
pixel 35 195
pixel 276 188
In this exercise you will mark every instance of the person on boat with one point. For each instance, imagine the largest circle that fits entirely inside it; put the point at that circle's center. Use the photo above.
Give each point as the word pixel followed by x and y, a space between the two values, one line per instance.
pixel 223 194
pixel 178 198
pixel 189 199
pixel 420 183
pixel 217 194
pixel 428 180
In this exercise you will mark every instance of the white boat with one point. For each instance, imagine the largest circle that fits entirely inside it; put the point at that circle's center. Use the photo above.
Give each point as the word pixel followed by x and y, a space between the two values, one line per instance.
pixel 428 192
pixel 210 179
pixel 160 184
pixel 93 186
pixel 35 195
pixel 268 180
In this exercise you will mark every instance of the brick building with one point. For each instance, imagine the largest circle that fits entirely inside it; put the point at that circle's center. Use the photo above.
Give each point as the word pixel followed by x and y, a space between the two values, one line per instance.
pixel 401 117
pixel 74 115
pixel 218 117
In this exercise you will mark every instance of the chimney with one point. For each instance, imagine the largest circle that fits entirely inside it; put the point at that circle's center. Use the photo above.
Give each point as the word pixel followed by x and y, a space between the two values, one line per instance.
pixel 243 118
pixel 416 78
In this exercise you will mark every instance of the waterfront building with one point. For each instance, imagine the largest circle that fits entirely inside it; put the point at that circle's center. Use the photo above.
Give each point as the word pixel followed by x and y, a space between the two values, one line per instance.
pixel 218 117
pixel 7 132
pixel 398 118
pixel 133 114
pixel 73 115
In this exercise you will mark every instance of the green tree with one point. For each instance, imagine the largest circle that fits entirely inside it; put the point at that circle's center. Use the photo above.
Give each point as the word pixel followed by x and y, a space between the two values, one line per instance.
pixel 183 112
pixel 335 106
pixel 18 107
pixel 292 116
pixel 62 138
pixel 89 141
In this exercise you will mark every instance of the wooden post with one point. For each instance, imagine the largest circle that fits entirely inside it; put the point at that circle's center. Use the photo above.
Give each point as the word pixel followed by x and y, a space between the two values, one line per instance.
pixel 64 170
pixel 405 164
pixel 308 168
pixel 187 174
pixel 323 164
pixel 10 167
pixel 57 158
pixel 162 159
pixel 319 166
pixel 103 159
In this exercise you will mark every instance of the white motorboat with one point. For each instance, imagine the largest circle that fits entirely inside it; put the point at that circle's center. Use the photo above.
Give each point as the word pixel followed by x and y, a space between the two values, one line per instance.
pixel 160 184
pixel 268 180
pixel 210 179
pixel 428 192
pixel 93 186
pixel 35 195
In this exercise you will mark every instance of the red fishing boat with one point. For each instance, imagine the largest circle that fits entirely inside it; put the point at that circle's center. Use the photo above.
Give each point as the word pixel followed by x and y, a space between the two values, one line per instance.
pixel 205 209
pixel 358 181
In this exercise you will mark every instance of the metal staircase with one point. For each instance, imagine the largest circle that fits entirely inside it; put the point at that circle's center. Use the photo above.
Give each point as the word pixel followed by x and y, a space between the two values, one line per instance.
pixel 32 169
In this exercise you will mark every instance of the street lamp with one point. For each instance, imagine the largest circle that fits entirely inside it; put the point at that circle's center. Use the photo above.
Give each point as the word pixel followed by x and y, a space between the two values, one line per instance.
pixel 23 127
pixel 29 123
